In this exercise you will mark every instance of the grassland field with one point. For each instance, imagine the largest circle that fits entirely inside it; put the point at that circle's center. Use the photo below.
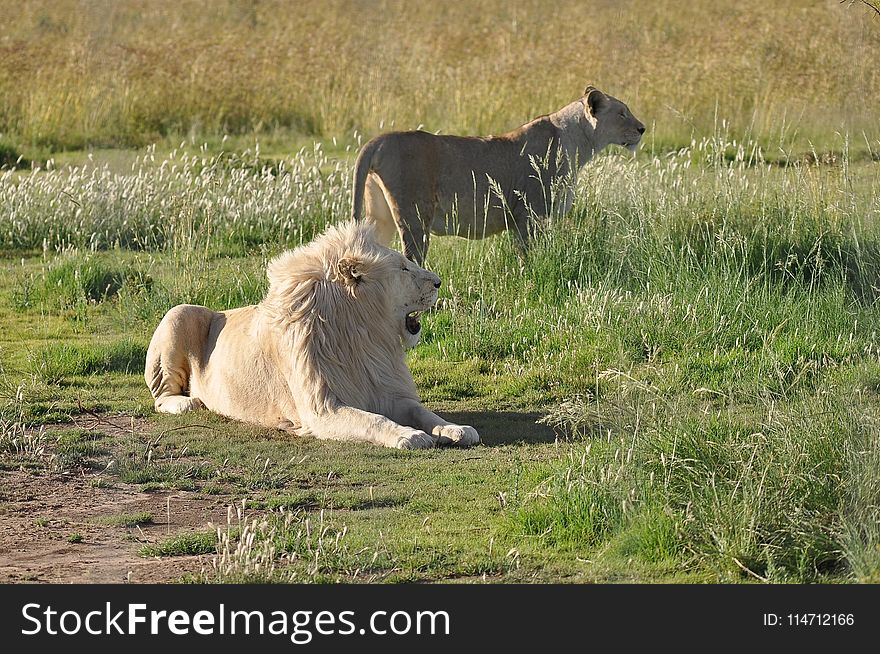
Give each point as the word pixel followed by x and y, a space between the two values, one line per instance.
pixel 680 383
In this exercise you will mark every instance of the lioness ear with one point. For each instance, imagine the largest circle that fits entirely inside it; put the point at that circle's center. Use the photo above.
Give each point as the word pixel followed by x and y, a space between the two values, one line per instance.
pixel 595 99
pixel 349 271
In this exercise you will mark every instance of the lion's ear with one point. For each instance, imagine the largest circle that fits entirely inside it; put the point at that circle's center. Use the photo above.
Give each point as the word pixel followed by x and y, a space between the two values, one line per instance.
pixel 349 271
pixel 589 88
pixel 596 100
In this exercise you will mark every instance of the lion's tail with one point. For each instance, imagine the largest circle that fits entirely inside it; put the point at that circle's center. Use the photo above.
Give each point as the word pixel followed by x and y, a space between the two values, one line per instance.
pixel 362 166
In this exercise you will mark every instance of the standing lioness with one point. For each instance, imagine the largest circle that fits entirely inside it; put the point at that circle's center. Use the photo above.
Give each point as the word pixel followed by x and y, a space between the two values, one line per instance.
pixel 477 186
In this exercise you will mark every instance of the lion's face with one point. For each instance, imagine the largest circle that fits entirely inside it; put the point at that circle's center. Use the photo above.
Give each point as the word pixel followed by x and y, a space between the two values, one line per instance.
pixel 412 290
pixel 612 120
pixel 345 279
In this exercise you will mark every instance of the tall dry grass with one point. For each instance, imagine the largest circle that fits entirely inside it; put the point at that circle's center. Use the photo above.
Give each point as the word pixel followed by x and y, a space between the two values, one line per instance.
pixel 96 72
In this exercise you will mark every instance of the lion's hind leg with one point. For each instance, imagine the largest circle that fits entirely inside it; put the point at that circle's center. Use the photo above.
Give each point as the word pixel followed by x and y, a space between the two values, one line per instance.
pixel 168 370
pixel 168 378
pixel 177 404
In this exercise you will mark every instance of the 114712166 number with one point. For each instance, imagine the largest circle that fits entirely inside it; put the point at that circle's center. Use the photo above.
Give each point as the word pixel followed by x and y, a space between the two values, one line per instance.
pixel 809 619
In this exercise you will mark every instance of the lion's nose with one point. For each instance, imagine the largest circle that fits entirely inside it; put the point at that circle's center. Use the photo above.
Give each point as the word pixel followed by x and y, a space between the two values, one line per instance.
pixel 437 284
pixel 642 129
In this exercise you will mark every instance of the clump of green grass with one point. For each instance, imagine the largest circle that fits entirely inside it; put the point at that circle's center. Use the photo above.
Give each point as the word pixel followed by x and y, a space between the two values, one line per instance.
pixel 189 544
pixel 159 476
pixel 90 278
pixel 155 467
pixel 304 500
pixel 153 487
pixel 265 474
pixel 77 447
pixel 20 439
pixel 10 157
pixel 75 537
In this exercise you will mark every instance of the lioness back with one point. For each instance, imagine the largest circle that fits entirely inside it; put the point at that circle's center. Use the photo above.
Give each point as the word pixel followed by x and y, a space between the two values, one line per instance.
pixel 453 182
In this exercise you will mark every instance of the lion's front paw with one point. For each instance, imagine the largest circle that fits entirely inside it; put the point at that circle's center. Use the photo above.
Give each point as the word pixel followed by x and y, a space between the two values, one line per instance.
pixel 417 440
pixel 456 435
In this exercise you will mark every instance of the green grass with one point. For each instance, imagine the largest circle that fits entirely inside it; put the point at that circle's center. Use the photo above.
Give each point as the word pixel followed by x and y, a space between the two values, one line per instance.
pixel 79 448
pixel 760 495
pixel 58 362
pixel 188 544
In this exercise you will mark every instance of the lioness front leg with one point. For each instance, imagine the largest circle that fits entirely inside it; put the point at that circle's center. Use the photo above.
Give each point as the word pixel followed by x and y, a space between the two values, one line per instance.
pixel 348 423
pixel 523 228
pixel 447 433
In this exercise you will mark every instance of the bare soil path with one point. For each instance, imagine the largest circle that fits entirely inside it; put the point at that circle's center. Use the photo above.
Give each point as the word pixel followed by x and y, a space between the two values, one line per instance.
pixel 40 512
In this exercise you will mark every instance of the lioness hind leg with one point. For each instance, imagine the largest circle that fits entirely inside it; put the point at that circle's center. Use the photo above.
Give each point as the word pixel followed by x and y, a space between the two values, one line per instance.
pixel 377 210
pixel 415 241
pixel 523 230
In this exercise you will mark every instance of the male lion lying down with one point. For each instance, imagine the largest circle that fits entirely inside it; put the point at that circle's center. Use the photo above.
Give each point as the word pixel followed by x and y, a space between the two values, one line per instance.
pixel 321 355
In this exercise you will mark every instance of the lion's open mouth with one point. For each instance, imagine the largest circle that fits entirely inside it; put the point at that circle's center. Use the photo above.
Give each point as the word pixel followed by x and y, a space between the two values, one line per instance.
pixel 413 326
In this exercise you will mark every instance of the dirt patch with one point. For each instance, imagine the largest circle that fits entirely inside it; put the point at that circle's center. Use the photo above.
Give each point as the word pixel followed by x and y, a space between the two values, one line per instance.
pixel 115 426
pixel 41 514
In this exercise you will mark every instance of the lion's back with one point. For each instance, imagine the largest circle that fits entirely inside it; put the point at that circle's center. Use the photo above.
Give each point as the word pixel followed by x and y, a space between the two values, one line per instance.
pixel 238 375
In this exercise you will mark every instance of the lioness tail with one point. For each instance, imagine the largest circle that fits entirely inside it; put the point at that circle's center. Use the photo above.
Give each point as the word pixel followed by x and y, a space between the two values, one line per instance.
pixel 362 167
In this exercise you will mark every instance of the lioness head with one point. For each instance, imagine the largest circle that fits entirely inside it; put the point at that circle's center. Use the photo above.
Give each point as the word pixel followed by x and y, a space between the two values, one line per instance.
pixel 612 120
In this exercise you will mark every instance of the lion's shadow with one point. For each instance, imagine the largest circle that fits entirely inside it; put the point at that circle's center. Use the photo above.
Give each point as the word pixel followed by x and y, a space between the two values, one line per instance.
pixel 504 427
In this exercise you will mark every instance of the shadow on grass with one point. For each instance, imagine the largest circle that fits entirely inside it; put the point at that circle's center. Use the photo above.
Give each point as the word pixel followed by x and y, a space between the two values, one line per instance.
pixel 504 427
